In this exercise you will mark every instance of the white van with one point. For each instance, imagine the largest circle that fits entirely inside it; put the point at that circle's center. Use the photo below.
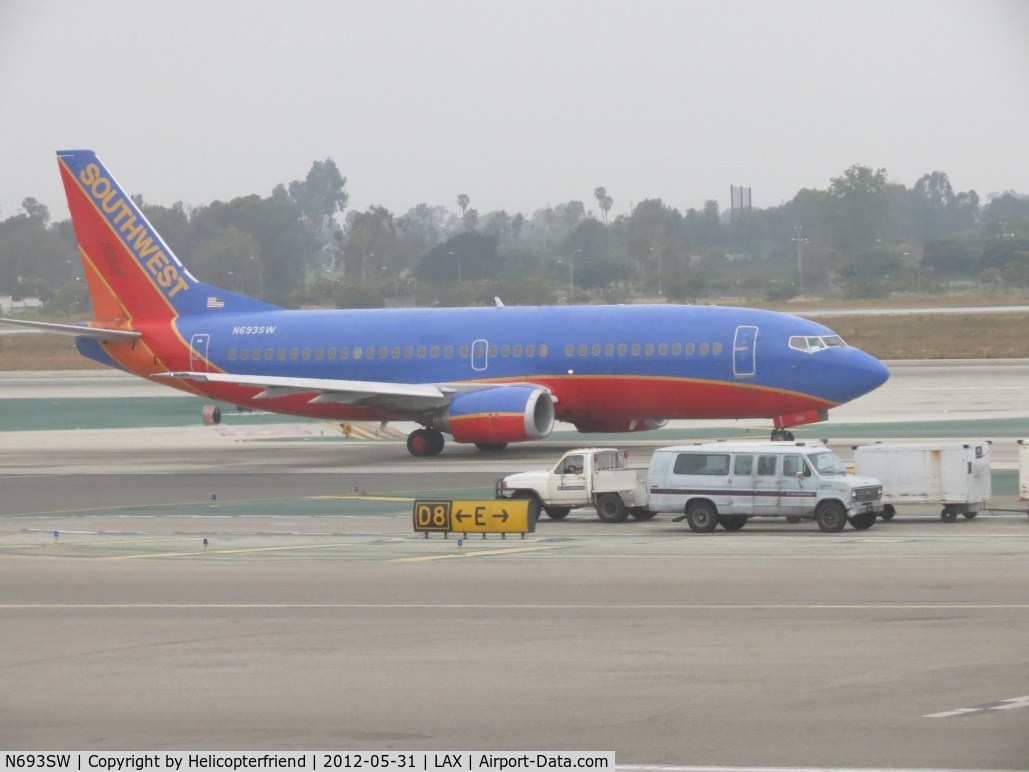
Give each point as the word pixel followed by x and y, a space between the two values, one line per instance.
pixel 727 483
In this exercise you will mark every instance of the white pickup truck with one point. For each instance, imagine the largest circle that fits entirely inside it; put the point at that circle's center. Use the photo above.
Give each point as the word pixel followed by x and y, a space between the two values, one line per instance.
pixel 597 477
pixel 707 485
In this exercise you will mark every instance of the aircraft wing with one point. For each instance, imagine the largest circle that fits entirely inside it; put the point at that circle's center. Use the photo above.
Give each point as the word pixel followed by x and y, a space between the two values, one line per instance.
pixel 400 397
pixel 97 333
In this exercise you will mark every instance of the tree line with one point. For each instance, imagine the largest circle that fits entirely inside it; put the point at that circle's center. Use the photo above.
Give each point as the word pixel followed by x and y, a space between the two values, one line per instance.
pixel 862 236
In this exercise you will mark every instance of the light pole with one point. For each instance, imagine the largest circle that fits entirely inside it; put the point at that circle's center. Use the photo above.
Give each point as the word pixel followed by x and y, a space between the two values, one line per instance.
pixel 571 275
pixel 260 274
pixel 364 267
pixel 800 260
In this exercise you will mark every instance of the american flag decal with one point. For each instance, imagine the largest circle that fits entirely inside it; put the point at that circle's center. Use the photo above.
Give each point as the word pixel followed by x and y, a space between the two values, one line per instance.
pixel 213 302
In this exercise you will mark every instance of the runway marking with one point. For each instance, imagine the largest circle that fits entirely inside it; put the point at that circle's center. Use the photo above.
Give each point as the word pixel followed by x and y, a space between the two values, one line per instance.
pixel 1009 704
pixel 360 497
pixel 475 554
pixel 209 551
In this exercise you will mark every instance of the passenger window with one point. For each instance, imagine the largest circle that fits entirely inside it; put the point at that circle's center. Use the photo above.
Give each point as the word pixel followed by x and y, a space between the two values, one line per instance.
pixel 244 354
pixel 570 350
pixel 582 349
pixel 232 355
pixel 743 465
pixel 544 350
pixel 766 466
pixel 662 349
pixel 622 349
pixel 716 349
pixel 257 355
pixel 714 464
pixel 690 348
pixel 635 349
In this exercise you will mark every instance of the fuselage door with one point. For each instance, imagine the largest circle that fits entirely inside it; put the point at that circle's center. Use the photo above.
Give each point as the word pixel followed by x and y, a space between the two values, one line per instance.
pixel 744 351
pixel 480 355
pixel 198 352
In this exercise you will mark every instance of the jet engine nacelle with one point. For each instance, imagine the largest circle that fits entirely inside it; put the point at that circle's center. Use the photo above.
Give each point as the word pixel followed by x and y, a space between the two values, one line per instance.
pixel 498 415
pixel 621 425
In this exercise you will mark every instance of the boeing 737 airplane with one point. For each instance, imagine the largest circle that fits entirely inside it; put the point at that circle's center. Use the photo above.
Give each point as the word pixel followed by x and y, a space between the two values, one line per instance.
pixel 488 376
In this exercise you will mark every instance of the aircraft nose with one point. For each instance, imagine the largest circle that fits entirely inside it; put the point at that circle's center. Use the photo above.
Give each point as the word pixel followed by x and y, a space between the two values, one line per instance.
pixel 865 373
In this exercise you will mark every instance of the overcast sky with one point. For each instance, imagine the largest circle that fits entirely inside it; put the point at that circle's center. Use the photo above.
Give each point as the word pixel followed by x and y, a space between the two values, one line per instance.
pixel 518 104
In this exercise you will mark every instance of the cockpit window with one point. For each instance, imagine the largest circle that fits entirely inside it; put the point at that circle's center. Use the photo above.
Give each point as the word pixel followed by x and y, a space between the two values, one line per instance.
pixel 813 343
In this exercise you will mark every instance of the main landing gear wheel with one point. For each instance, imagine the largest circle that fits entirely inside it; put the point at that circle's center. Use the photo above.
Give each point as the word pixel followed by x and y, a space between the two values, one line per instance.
pixel 425 442
pixel 782 435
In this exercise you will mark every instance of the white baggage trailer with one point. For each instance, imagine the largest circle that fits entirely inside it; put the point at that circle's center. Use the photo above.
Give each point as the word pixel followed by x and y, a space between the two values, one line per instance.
pixel 955 475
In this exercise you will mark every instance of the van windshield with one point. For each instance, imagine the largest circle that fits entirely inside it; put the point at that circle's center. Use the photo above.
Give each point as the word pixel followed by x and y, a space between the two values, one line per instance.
pixel 827 464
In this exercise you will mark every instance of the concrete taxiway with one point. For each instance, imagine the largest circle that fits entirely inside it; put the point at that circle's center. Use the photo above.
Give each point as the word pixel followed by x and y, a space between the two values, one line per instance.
pixel 313 617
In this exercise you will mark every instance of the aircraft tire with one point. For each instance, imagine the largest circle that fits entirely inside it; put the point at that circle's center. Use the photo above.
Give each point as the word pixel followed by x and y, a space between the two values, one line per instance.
pixel 831 516
pixel 642 513
pixel 701 516
pixel 611 508
pixel 425 442
pixel 490 446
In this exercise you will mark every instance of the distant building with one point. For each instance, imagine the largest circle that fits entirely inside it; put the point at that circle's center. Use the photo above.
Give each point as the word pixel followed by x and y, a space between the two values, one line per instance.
pixel 10 304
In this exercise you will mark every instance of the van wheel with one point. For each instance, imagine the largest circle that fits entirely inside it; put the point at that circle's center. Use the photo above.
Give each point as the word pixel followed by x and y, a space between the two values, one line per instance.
pixel 557 513
pixel 732 522
pixel 701 516
pixel 888 512
pixel 611 508
pixel 863 520
pixel 949 514
pixel 831 516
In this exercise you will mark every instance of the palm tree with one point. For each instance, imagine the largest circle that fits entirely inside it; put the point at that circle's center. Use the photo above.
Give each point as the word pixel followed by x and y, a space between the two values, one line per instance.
pixel 604 200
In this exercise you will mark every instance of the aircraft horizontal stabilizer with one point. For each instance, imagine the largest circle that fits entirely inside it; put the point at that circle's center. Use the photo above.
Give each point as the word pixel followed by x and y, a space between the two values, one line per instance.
pixel 96 333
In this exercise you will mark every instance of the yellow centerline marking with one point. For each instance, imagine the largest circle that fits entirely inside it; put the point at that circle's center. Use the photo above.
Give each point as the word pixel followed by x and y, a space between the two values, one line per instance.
pixel 475 554
pixel 227 551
